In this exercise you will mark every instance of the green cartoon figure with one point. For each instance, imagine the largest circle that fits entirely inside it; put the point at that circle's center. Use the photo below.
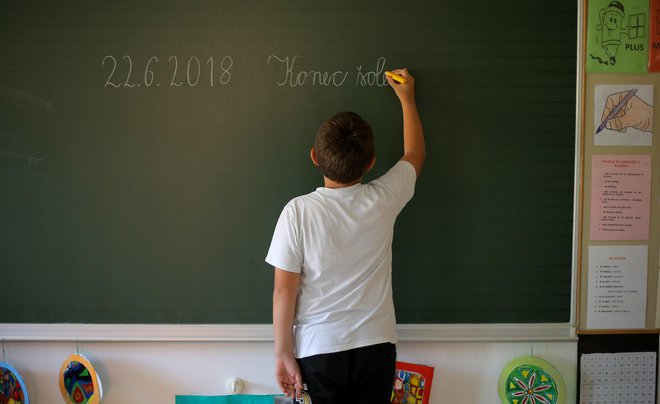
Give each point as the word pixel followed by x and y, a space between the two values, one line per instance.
pixel 611 31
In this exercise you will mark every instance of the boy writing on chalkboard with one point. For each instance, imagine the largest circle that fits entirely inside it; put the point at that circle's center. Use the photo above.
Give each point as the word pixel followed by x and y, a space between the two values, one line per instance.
pixel 333 312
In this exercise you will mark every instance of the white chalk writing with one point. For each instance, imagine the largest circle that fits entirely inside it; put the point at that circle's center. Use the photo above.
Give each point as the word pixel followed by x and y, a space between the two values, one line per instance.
pixel 290 75
pixel 302 77
pixel 191 72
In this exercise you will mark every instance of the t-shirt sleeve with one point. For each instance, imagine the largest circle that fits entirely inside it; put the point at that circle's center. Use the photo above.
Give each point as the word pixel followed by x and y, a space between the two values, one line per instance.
pixel 398 182
pixel 285 252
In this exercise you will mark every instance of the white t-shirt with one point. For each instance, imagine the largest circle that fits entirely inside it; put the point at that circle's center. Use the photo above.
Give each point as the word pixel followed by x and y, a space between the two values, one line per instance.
pixel 340 241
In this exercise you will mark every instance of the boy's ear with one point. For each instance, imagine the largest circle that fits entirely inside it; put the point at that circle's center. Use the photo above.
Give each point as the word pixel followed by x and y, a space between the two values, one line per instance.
pixel 371 164
pixel 312 155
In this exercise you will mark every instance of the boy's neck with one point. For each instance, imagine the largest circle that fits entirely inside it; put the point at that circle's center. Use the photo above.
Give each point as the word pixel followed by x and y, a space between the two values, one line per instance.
pixel 328 183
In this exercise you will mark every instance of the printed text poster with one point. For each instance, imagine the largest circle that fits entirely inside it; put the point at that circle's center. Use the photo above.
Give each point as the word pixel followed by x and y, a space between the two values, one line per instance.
pixel 619 377
pixel 617 287
pixel 620 196
pixel 618 36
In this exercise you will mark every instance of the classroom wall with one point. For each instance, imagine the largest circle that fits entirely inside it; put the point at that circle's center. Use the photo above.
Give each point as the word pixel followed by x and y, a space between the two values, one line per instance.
pixel 154 372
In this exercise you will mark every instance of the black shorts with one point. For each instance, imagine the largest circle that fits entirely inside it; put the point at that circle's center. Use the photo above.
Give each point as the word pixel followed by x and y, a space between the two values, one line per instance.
pixel 361 375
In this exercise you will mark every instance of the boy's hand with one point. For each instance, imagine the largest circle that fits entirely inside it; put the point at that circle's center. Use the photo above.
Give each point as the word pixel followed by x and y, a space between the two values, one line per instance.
pixel 287 374
pixel 405 92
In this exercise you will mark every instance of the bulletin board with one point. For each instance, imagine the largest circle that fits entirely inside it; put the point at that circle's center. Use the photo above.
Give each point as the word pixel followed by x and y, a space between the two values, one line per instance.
pixel 619 237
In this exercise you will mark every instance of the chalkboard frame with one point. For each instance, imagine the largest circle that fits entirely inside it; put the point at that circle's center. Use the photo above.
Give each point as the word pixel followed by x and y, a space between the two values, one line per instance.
pixel 572 294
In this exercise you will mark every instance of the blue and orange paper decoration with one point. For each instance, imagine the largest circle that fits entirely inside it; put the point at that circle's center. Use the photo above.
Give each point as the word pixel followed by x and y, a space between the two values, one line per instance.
pixel 531 380
pixel 79 382
pixel 12 388
pixel 412 384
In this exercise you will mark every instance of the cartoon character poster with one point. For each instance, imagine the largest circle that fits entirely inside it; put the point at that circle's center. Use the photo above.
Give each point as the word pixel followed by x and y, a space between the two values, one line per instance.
pixel 618 36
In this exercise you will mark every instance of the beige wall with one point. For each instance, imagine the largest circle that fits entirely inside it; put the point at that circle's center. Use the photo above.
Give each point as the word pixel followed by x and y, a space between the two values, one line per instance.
pixel 154 372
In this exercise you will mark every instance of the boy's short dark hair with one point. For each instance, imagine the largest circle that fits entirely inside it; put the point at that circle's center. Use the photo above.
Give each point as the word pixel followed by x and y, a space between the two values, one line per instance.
pixel 344 147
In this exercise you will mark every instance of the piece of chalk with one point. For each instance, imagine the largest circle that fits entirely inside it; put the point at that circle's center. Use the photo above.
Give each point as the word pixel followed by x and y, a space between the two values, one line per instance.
pixel 396 77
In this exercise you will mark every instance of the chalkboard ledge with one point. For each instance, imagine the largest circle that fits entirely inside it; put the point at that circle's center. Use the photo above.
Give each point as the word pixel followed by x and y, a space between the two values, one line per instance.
pixel 264 332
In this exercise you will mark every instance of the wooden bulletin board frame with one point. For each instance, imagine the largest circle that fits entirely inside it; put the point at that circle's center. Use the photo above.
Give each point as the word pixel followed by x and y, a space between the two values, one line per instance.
pixel 561 46
pixel 587 83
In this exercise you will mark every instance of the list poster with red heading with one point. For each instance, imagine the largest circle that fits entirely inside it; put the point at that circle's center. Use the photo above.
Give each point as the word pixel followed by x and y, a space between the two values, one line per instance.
pixel 620 196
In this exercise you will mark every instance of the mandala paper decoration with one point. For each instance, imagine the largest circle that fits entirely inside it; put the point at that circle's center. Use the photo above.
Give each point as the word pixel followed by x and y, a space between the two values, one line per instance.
pixel 79 382
pixel 12 388
pixel 531 380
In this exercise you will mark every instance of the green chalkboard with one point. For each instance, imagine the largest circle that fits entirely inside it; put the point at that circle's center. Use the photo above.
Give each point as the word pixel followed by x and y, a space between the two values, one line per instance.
pixel 147 148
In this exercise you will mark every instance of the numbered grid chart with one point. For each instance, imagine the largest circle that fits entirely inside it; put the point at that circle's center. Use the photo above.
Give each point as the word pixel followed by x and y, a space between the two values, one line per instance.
pixel 618 378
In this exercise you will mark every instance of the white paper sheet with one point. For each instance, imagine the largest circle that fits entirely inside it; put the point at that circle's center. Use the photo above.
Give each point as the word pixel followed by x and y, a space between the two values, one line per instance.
pixel 617 287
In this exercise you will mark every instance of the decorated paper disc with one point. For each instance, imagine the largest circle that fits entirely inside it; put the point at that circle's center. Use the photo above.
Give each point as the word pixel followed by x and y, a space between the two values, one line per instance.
pixel 531 380
pixel 79 382
pixel 12 388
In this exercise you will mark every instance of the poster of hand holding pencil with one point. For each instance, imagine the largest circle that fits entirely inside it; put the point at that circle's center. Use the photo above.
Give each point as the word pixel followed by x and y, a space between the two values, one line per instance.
pixel 623 115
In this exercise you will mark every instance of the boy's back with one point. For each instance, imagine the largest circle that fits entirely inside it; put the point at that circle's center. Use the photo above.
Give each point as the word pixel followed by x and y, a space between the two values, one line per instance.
pixel 339 240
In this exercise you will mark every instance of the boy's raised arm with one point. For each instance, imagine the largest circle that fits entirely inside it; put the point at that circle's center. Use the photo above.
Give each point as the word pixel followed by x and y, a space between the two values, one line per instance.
pixel 414 148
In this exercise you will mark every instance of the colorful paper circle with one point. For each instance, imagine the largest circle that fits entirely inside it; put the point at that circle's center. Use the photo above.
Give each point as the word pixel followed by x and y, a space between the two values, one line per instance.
pixel 12 388
pixel 79 382
pixel 529 380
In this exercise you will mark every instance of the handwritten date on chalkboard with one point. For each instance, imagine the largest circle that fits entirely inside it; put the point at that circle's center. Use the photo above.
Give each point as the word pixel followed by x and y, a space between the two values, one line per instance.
pixel 193 71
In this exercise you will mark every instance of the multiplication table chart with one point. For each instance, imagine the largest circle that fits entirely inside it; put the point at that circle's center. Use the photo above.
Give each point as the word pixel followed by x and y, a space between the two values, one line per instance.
pixel 618 378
